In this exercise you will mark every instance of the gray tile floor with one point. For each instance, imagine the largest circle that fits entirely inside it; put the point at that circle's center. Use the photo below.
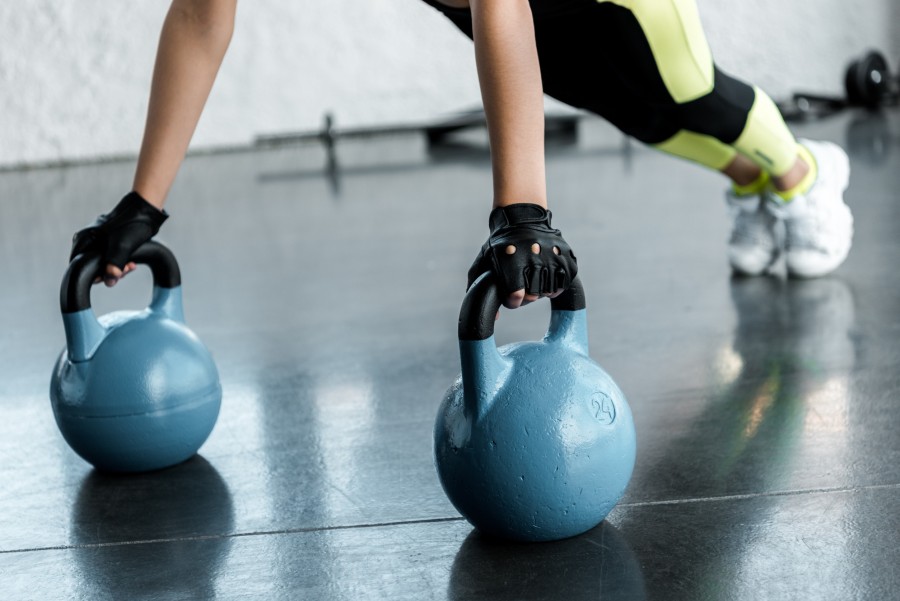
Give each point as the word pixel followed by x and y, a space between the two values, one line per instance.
pixel 768 456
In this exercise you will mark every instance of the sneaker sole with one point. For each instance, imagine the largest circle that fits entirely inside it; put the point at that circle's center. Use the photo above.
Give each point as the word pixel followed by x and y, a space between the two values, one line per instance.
pixel 753 262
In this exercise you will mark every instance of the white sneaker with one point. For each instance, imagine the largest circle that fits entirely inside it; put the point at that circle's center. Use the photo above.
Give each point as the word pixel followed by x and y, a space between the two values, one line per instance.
pixel 818 225
pixel 752 247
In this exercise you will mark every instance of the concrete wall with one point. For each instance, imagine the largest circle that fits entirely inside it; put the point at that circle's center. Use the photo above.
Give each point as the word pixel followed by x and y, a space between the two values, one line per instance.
pixel 74 75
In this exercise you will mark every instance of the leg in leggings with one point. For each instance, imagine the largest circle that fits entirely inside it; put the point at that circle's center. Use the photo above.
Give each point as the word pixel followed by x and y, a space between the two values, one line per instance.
pixel 711 108
pixel 645 66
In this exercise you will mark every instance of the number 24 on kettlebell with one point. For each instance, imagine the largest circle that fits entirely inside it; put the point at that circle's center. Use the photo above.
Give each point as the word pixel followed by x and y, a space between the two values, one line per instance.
pixel 534 441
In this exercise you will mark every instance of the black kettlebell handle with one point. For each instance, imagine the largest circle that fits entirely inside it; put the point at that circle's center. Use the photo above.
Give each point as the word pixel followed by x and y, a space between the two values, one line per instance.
pixel 75 291
pixel 482 301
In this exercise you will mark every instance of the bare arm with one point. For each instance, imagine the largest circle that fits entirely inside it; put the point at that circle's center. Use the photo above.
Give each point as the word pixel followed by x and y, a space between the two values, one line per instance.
pixel 194 38
pixel 532 259
pixel 512 92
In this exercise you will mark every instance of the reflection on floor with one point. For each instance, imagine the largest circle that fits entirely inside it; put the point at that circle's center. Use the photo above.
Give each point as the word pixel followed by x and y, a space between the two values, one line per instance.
pixel 768 457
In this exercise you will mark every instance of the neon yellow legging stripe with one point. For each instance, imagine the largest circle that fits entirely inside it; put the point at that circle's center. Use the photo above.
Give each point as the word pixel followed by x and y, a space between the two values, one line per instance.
pixel 683 58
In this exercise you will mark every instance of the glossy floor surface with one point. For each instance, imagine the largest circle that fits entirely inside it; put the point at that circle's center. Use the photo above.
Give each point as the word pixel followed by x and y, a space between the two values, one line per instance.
pixel 767 409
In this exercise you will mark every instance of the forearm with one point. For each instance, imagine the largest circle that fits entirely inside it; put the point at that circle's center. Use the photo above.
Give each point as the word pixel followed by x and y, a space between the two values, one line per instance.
pixel 511 89
pixel 194 38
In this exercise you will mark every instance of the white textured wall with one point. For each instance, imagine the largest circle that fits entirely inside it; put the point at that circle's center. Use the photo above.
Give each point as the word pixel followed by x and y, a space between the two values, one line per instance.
pixel 786 45
pixel 74 75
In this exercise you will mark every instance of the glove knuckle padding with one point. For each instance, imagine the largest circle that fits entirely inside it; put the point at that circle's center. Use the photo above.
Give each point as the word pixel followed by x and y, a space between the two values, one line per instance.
pixel 522 226
pixel 120 232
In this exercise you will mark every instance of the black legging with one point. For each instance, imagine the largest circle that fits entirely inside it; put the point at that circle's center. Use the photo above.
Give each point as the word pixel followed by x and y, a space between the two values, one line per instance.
pixel 597 56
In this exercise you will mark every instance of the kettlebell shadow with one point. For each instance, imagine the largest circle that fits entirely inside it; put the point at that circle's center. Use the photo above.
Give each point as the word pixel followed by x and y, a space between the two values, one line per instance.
pixel 171 526
pixel 596 565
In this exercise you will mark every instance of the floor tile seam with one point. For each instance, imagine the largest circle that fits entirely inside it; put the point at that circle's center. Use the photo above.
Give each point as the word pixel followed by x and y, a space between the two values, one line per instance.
pixel 775 493
pixel 233 535
pixel 444 520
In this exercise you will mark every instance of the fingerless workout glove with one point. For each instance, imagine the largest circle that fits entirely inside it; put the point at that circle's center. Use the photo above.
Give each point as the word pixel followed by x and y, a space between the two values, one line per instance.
pixel 523 251
pixel 120 232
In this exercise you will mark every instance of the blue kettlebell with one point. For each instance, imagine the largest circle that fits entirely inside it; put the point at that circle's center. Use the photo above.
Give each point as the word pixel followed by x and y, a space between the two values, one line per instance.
pixel 534 441
pixel 132 391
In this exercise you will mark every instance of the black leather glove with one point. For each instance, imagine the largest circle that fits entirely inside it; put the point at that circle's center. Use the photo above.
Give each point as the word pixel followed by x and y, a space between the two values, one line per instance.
pixel 522 226
pixel 121 231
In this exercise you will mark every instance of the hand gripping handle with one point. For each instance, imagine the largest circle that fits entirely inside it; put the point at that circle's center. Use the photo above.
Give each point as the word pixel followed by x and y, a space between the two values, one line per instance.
pixel 75 291
pixel 482 301
pixel 84 333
